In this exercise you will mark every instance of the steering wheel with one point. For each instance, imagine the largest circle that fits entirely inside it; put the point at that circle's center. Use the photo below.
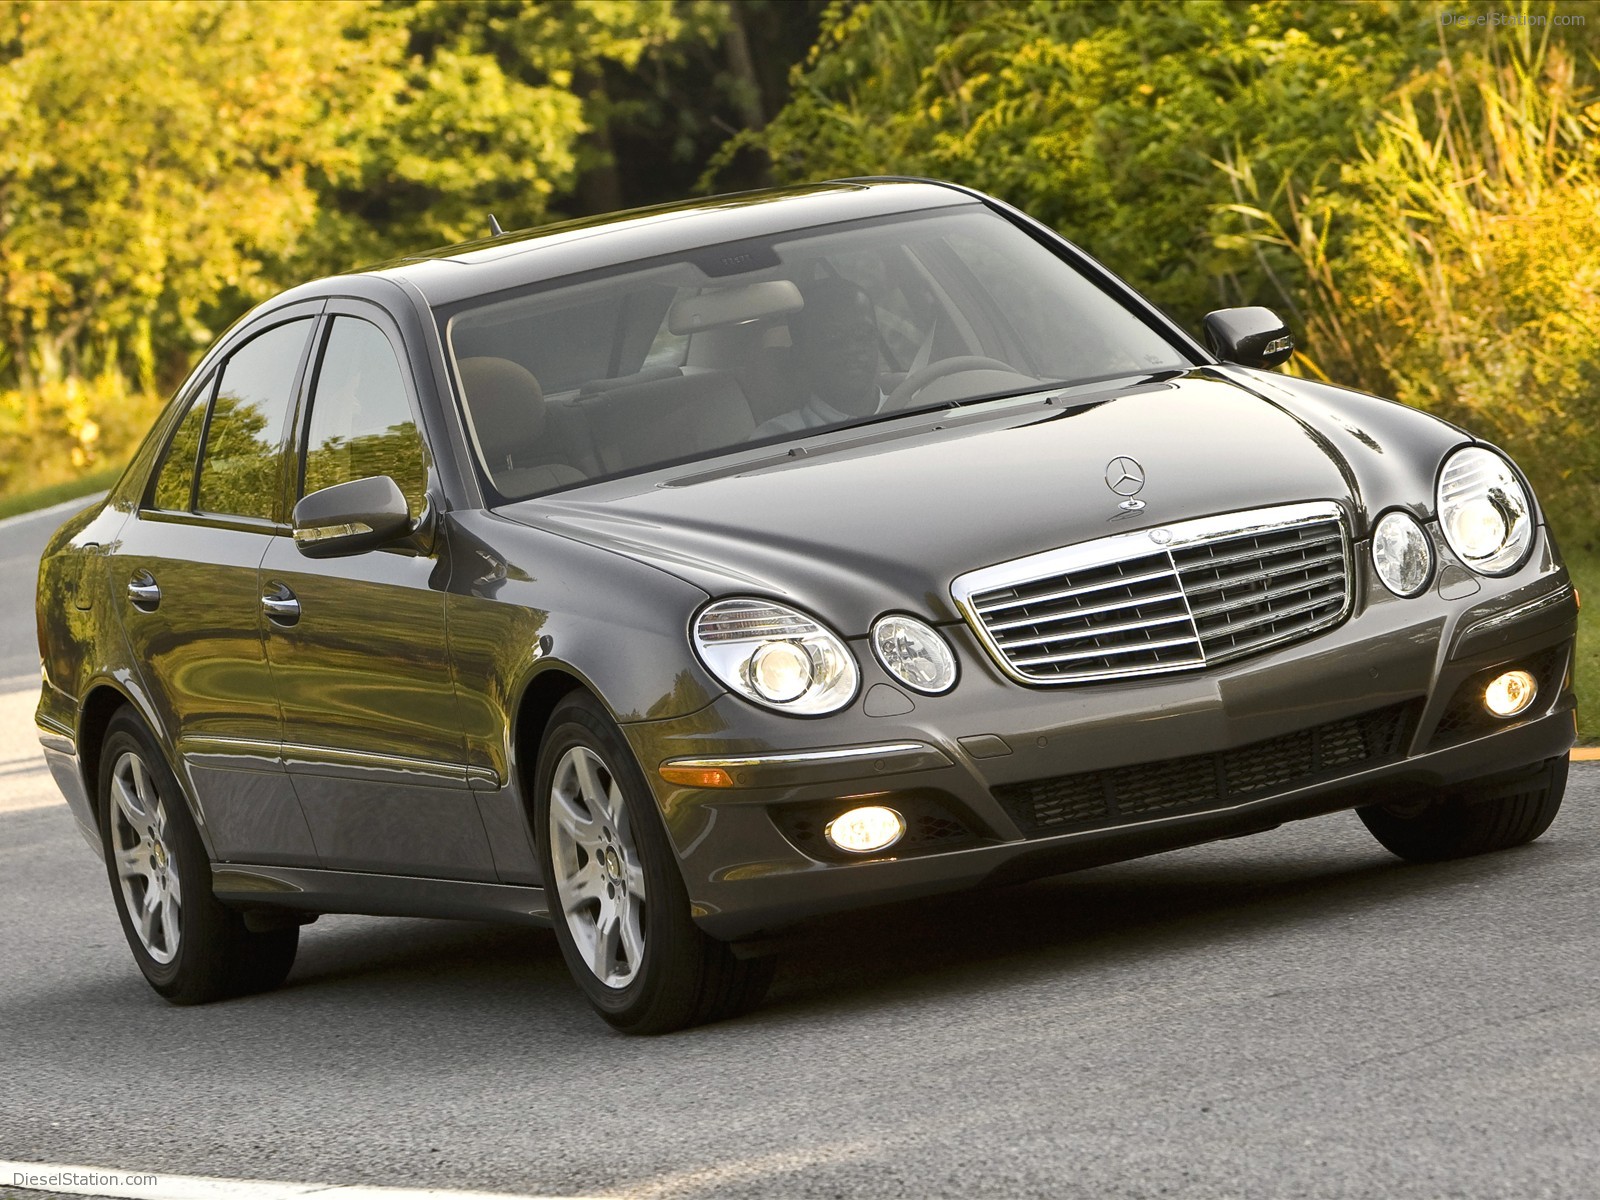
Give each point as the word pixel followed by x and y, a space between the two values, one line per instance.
pixel 917 380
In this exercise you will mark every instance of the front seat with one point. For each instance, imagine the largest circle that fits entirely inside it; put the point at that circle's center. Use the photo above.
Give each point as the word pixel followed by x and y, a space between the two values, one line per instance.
pixel 510 419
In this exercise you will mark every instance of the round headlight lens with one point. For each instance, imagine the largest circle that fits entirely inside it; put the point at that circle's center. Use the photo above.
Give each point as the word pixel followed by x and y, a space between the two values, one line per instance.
pixel 1484 511
pixel 776 656
pixel 914 653
pixel 1402 554
pixel 781 671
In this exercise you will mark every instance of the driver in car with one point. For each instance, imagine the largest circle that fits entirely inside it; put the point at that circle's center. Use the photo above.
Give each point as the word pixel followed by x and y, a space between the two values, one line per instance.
pixel 835 340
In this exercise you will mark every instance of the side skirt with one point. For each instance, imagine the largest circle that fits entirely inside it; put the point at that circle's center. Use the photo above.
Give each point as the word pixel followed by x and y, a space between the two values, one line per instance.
pixel 304 889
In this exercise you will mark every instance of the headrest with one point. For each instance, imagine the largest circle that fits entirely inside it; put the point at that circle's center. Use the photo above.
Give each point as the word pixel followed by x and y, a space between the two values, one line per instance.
pixel 733 305
pixel 507 402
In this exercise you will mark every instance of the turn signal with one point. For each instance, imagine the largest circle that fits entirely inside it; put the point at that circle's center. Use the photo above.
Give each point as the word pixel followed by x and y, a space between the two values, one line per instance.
pixel 703 777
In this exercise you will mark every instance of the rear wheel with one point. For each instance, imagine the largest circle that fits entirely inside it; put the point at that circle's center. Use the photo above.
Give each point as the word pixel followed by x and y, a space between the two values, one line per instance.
pixel 190 948
pixel 1472 818
pixel 616 896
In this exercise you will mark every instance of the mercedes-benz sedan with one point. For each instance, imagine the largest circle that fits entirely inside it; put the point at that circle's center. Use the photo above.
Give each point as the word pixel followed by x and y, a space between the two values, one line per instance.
pixel 674 576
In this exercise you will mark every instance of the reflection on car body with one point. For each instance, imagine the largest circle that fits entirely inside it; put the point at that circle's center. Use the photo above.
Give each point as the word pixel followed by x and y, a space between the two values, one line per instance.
pixel 676 576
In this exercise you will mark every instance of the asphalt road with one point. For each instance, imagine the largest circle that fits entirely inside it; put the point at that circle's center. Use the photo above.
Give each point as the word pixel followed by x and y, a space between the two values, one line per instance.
pixel 1290 1015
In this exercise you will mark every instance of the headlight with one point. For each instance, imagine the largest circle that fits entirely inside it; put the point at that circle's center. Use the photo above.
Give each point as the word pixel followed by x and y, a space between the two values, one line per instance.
pixel 1484 511
pixel 1402 554
pixel 776 656
pixel 914 653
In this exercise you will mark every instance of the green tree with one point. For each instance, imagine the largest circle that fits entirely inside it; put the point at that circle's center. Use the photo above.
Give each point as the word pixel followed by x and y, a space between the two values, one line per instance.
pixel 1104 119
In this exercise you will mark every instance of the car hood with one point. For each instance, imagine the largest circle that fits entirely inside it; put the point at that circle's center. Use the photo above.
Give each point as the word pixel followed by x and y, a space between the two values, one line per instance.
pixel 863 522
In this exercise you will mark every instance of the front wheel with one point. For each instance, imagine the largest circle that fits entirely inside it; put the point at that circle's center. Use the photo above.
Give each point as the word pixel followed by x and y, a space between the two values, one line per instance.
pixel 1472 818
pixel 616 896
pixel 190 948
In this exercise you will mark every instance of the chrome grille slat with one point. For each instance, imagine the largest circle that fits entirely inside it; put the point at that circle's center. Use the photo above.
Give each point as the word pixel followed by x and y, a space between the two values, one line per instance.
pixel 1253 555
pixel 1217 589
pixel 1212 585
pixel 1104 652
pixel 1268 618
pixel 1271 593
pixel 1095 631
pixel 1093 611
pixel 996 606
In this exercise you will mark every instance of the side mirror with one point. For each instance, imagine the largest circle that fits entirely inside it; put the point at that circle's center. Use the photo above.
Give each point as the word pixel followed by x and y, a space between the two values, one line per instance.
pixel 1251 337
pixel 349 518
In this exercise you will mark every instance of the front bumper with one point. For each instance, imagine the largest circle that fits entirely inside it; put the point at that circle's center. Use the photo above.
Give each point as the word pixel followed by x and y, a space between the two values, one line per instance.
pixel 1382 704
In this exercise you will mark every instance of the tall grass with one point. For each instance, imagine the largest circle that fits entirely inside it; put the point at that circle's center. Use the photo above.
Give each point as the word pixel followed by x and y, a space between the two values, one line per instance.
pixel 1456 264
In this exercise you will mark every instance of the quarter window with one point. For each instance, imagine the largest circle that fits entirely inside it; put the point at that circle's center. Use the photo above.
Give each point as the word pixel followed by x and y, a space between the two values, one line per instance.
pixel 361 423
pixel 239 470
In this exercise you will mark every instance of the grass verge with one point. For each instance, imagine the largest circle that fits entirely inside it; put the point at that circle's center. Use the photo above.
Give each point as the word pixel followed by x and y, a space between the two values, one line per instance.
pixel 58 493
pixel 1584 563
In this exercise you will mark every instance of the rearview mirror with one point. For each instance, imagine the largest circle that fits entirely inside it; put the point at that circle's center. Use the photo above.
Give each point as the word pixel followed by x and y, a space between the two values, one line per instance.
pixel 1251 337
pixel 349 518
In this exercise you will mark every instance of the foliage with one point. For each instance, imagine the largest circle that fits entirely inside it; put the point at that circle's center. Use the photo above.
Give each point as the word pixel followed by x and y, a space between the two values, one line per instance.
pixel 63 428
pixel 1467 279
pixel 164 166
pixel 1584 563
pixel 138 198
pixel 1102 119
pixel 1420 201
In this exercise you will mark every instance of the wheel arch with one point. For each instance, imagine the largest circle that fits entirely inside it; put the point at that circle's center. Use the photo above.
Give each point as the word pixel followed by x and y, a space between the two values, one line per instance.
pixel 102 702
pixel 531 718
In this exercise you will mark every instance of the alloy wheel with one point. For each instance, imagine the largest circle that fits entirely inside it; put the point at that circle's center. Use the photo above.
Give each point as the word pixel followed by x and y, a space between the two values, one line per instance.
pixel 599 881
pixel 146 869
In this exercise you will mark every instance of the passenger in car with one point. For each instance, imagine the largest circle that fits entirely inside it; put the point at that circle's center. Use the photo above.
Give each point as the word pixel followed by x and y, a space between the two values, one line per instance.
pixel 835 339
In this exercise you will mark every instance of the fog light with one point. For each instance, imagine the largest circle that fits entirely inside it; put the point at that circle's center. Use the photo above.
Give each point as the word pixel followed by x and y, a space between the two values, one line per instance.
pixel 1509 694
pixel 865 830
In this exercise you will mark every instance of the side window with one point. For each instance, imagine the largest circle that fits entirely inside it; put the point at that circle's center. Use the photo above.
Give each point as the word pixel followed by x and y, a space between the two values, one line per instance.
pixel 361 424
pixel 174 488
pixel 239 467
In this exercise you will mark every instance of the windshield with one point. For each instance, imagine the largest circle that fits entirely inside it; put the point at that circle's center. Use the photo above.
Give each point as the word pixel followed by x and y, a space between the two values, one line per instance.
pixel 769 342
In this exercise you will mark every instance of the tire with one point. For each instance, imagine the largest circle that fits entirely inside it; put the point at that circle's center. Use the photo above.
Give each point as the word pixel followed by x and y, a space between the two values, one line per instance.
pixel 191 948
pixel 616 895
pixel 1472 818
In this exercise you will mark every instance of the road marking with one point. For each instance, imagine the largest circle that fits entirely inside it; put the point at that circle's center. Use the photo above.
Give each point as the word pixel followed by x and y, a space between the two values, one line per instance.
pixel 65 506
pixel 25 781
pixel 103 1181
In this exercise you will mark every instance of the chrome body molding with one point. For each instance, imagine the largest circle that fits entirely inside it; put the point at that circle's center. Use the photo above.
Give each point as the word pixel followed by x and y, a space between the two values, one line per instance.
pixel 53 735
pixel 813 766
pixel 1506 617
pixel 324 760
pixel 1182 644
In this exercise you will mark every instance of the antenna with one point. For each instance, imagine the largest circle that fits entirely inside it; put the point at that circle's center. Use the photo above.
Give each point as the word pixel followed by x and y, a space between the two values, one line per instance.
pixel 494 227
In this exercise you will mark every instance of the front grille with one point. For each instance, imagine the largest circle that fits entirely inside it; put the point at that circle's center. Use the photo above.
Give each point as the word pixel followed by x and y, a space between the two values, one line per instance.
pixel 1185 596
pixel 1043 807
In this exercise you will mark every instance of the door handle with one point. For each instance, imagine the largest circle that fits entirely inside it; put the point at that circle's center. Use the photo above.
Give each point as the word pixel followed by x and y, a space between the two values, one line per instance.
pixel 143 592
pixel 280 605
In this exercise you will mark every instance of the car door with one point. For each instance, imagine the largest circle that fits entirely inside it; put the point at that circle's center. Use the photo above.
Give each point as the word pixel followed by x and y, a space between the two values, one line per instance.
pixel 185 585
pixel 358 647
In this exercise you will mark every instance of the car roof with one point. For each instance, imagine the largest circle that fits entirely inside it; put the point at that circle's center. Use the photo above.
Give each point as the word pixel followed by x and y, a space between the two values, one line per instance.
pixel 470 269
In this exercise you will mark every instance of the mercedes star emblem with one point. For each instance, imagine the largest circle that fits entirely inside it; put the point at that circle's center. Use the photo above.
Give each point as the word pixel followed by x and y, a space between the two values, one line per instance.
pixel 1124 476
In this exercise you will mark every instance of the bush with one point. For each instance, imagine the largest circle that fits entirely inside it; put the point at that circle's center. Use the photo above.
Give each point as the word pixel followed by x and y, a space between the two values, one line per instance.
pixel 1467 279
pixel 65 428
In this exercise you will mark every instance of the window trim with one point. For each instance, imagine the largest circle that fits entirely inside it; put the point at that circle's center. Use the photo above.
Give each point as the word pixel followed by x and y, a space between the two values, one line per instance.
pixel 209 373
pixel 276 519
pixel 297 443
